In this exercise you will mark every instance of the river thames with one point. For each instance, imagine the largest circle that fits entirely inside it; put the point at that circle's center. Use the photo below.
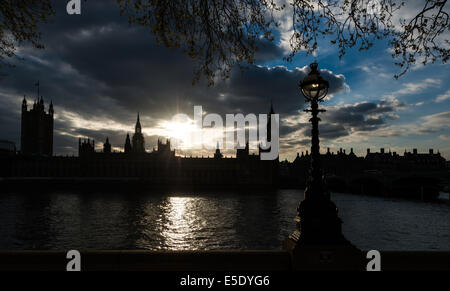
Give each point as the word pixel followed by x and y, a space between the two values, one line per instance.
pixel 208 220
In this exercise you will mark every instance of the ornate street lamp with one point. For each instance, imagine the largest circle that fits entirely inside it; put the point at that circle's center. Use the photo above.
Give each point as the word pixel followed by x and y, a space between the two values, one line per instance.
pixel 317 219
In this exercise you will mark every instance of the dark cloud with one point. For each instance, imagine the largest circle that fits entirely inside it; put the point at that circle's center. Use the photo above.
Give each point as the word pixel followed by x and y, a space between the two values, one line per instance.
pixel 327 130
pixel 268 51
pixel 362 116
pixel 294 143
pixel 340 121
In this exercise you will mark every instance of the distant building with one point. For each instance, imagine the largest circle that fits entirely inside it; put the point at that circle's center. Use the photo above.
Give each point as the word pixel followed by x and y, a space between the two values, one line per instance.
pixel 163 150
pixel 36 129
pixel 107 147
pixel 138 138
pixel 411 174
pixel 409 160
pixel 127 147
pixel 218 154
pixel 160 167
pixel 85 147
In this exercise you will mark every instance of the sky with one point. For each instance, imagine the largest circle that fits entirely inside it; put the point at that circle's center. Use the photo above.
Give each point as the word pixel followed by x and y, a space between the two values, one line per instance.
pixel 100 72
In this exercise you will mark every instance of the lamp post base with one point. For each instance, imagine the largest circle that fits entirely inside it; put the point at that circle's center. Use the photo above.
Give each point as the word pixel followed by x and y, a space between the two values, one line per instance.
pixel 318 242
pixel 318 223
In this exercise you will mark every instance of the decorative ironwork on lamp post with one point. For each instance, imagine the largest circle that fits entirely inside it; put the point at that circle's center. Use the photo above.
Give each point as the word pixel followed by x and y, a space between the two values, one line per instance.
pixel 317 219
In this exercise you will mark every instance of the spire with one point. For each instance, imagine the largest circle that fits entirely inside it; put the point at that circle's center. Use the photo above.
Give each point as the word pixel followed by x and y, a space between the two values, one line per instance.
pixel 218 154
pixel 127 146
pixel 24 104
pixel 138 127
pixel 107 146
pixel 271 107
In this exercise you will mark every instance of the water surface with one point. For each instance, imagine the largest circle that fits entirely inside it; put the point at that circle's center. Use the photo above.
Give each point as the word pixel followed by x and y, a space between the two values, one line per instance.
pixel 206 221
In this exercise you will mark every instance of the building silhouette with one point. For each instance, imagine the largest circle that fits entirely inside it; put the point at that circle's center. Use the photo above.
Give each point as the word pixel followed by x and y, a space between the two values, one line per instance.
pixel 138 138
pixel 218 154
pixel 107 147
pixel 86 147
pixel 37 129
pixel 411 172
pixel 159 167
pixel 382 173
pixel 127 147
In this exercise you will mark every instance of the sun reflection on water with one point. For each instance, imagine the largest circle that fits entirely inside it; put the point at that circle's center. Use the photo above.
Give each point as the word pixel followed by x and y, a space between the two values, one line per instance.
pixel 182 222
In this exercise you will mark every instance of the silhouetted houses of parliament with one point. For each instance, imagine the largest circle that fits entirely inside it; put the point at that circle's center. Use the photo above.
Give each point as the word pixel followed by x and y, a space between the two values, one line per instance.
pixel 86 147
pixel 161 167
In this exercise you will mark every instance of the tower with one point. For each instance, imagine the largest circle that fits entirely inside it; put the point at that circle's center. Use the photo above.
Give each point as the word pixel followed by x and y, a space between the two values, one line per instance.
pixel 127 146
pixel 164 150
pixel 37 128
pixel 85 147
pixel 218 154
pixel 107 146
pixel 138 138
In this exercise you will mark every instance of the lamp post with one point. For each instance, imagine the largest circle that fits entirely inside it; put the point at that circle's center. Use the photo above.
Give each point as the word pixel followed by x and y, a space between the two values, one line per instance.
pixel 317 219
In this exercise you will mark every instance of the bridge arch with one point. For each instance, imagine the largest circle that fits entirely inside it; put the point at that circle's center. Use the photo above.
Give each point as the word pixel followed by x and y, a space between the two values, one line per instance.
pixel 421 187
pixel 369 185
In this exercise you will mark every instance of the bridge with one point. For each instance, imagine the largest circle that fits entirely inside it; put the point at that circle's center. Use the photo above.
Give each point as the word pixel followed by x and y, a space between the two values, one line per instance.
pixel 421 184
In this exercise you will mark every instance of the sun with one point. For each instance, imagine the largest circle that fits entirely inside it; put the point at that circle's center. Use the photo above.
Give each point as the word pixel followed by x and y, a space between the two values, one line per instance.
pixel 185 134
pixel 179 129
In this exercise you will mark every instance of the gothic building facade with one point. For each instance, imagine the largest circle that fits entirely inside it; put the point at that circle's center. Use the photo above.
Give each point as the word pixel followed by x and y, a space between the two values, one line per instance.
pixel 37 129
pixel 158 167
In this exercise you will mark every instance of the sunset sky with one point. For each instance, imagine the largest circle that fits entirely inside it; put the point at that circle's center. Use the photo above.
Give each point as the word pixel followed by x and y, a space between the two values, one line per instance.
pixel 100 72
